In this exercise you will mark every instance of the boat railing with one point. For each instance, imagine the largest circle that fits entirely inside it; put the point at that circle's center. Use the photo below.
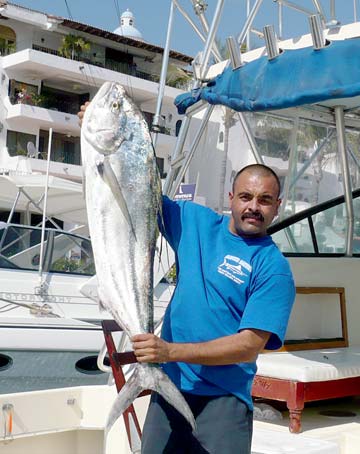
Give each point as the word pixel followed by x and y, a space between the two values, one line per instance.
pixel 64 252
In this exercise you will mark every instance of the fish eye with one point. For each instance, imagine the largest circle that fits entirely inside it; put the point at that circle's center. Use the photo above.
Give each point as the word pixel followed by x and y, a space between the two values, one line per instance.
pixel 115 105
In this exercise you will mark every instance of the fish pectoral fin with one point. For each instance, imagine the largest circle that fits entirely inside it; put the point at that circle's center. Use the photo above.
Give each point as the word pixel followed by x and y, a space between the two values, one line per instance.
pixel 106 172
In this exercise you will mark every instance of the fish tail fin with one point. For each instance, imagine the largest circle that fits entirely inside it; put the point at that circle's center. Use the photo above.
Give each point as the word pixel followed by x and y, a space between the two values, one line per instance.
pixel 166 388
pixel 148 377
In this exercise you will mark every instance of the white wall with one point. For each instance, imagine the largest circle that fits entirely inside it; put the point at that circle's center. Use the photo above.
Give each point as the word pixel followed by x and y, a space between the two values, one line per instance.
pixel 332 272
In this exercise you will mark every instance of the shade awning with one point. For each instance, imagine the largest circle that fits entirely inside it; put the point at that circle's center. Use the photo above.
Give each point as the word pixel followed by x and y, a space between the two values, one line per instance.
pixel 65 199
pixel 296 77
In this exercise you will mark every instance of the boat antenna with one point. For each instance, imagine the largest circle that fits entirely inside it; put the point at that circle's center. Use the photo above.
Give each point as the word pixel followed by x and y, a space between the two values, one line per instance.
pixel 165 61
pixel 116 3
pixel 68 10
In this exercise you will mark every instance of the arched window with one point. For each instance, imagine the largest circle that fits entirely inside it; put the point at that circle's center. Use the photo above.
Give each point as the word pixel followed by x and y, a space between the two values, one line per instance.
pixel 7 40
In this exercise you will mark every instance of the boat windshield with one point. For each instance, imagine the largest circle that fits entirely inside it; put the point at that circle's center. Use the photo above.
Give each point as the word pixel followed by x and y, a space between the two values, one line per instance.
pixel 63 252
pixel 320 230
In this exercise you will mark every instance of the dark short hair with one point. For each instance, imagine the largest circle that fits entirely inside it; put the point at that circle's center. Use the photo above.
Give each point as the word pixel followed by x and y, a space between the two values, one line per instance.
pixel 258 168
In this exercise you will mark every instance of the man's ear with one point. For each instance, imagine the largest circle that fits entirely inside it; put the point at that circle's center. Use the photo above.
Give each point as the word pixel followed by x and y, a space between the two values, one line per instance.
pixel 278 203
pixel 231 196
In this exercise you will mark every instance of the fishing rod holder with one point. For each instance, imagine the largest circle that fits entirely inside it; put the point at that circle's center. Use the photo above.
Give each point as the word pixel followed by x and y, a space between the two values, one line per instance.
pixel 234 52
pixel 317 32
pixel 271 43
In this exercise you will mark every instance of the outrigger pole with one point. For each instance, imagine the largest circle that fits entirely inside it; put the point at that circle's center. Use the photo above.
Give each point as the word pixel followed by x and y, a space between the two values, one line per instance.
pixel 200 68
pixel 41 283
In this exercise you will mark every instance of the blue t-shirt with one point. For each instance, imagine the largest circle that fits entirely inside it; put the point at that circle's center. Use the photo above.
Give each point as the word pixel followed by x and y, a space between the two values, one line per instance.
pixel 225 283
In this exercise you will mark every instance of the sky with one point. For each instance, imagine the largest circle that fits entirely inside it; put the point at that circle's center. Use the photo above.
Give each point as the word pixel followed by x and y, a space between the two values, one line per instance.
pixel 151 17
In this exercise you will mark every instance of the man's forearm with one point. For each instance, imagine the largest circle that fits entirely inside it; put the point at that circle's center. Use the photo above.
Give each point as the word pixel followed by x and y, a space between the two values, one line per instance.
pixel 237 348
pixel 240 347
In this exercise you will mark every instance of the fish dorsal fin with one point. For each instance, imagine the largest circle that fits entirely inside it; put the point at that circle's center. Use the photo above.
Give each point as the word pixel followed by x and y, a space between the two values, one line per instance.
pixel 106 172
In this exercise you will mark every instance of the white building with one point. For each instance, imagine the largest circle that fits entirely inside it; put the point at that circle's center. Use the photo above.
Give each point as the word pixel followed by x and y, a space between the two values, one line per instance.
pixel 43 83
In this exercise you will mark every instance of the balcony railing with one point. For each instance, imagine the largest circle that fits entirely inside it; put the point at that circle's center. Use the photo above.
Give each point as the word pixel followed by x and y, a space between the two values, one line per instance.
pixel 113 65
pixel 62 156
pixel 52 101
pixel 6 51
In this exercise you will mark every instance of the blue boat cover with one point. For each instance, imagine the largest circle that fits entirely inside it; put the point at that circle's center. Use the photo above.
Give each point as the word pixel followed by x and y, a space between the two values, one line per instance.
pixel 295 77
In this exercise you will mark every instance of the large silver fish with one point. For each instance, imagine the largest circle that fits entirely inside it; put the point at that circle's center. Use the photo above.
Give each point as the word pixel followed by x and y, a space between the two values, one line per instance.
pixel 123 199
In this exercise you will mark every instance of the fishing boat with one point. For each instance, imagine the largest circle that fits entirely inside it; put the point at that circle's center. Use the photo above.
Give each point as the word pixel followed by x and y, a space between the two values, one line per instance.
pixel 302 119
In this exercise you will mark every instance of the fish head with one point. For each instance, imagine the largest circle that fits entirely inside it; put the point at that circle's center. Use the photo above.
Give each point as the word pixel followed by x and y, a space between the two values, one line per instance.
pixel 111 118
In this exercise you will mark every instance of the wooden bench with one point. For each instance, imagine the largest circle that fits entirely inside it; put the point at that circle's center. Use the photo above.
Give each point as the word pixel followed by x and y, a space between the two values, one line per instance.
pixel 309 371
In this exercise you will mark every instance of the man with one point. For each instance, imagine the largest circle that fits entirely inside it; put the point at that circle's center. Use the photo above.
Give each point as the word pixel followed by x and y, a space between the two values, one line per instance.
pixel 233 298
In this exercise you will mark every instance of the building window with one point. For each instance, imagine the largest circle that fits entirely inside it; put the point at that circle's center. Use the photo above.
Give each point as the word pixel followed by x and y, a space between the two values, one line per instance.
pixel 64 148
pixel 221 137
pixel 7 40
pixel 16 142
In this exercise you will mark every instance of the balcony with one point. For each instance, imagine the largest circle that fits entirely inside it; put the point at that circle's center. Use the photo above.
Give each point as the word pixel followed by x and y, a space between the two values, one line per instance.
pixel 65 153
pixel 113 65
pixel 57 71
pixel 49 98
pixel 22 115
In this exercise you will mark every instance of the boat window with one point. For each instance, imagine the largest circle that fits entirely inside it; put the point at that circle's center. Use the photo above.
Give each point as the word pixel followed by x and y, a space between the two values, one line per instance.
pixel 319 232
pixel 295 239
pixel 71 254
pixel 356 244
pixel 20 248
pixel 330 230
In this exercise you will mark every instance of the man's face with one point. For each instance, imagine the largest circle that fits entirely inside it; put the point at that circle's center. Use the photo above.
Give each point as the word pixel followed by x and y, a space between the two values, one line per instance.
pixel 254 204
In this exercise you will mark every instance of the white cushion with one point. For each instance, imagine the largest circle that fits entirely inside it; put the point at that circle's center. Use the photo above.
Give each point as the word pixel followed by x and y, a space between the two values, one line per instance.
pixel 311 365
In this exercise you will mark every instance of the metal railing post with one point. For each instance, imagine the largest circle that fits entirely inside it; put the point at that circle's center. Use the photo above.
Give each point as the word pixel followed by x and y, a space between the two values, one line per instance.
pixel 340 130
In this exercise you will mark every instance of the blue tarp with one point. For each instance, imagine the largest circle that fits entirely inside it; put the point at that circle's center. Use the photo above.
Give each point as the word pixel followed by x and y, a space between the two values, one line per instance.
pixel 295 77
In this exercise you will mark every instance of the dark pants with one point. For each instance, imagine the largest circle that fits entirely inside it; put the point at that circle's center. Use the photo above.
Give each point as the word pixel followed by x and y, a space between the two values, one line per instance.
pixel 224 426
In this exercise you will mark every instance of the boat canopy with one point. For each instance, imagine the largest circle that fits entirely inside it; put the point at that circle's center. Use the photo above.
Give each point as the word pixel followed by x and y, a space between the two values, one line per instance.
pixel 65 199
pixel 296 77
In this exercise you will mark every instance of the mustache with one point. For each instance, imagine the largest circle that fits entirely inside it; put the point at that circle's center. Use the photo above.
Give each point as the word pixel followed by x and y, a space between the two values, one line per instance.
pixel 254 215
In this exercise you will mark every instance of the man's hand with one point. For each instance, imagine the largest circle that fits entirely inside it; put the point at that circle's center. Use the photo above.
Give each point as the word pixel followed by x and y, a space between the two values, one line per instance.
pixel 80 114
pixel 149 348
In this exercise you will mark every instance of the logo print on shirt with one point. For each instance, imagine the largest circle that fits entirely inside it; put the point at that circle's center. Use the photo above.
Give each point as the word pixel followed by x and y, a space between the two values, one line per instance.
pixel 233 267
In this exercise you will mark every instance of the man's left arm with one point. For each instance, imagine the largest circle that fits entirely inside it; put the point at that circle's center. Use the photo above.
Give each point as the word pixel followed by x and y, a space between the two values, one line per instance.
pixel 236 348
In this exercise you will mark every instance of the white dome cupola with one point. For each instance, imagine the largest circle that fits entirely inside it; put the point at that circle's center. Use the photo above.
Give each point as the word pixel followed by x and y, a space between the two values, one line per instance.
pixel 127 26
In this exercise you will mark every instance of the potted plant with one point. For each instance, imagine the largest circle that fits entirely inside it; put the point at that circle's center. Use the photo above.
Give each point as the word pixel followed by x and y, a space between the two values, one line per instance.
pixel 73 45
